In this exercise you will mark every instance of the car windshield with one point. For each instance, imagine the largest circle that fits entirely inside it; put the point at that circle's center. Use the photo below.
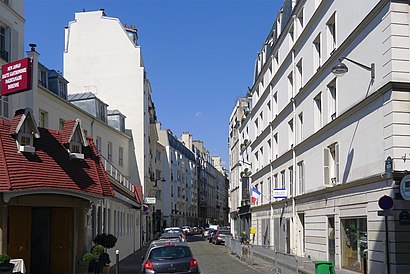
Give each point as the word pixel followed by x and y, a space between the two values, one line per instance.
pixel 225 232
pixel 170 252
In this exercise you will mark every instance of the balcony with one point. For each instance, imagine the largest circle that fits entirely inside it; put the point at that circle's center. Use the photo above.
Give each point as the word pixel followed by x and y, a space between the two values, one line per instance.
pixel 115 174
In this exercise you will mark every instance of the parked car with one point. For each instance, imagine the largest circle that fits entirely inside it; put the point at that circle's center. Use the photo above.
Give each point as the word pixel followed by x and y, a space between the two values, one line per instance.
pixel 187 230
pixel 173 229
pixel 172 236
pixel 169 258
pixel 219 236
pixel 207 233
pixel 211 235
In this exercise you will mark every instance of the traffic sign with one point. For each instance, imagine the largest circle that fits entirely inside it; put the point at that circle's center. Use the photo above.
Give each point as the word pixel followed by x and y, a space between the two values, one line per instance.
pixel 405 187
pixel 386 202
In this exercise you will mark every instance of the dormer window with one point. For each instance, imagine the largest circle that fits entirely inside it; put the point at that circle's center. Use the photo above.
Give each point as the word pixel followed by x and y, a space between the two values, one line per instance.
pixel 74 138
pixel 75 145
pixel 25 136
pixel 24 127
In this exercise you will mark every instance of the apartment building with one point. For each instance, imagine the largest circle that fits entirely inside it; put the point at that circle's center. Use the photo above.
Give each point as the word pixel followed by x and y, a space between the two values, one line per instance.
pixel 180 194
pixel 324 147
pixel 212 187
pixel 116 72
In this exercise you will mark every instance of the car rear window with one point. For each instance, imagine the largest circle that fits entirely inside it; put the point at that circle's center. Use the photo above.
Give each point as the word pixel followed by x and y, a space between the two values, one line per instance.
pixel 225 232
pixel 170 252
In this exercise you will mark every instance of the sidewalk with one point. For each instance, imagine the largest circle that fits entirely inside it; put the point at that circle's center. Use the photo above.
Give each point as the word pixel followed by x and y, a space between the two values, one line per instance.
pixel 130 264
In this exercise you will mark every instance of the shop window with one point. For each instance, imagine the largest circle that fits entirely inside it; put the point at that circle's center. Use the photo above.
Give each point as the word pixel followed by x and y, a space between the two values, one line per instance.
pixel 354 242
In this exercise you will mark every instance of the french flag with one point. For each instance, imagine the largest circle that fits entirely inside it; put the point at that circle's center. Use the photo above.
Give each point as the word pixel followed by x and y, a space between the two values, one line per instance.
pixel 255 195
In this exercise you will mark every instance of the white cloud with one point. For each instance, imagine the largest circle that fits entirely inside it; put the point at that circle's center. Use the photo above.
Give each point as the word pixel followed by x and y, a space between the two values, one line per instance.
pixel 198 114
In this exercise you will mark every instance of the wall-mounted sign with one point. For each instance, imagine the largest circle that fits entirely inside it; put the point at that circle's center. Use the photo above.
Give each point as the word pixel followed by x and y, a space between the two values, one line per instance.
pixel 404 217
pixel 405 187
pixel 279 193
pixel 245 188
pixel 150 200
pixel 16 76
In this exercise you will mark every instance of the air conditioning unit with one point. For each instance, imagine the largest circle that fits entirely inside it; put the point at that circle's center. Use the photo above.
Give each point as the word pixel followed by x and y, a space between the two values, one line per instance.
pixel 28 149
pixel 79 156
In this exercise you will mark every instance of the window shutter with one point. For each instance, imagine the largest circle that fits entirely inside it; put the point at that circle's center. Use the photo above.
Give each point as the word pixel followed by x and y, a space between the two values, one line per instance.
pixel 337 162
pixel 326 166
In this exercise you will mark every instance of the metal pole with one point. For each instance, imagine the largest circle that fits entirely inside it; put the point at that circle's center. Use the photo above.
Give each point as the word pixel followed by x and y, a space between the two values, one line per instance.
pixel 387 245
pixel 117 261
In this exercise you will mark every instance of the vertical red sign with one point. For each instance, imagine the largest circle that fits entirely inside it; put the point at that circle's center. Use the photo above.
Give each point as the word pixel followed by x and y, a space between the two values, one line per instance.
pixel 16 76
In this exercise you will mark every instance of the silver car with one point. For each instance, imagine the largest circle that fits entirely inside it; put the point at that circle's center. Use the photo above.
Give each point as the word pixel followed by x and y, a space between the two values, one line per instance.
pixel 169 258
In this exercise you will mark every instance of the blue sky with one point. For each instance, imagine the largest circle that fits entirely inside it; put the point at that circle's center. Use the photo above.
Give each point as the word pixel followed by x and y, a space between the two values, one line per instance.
pixel 199 54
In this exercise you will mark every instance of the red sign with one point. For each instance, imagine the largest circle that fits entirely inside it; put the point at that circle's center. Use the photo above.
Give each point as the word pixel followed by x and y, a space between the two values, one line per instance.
pixel 16 76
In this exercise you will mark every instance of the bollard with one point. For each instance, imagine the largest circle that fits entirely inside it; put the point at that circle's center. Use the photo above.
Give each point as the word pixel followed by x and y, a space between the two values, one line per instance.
pixel 117 261
pixel 365 254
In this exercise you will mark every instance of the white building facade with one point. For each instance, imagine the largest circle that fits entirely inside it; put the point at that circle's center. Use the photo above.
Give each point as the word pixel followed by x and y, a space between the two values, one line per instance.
pixel 322 141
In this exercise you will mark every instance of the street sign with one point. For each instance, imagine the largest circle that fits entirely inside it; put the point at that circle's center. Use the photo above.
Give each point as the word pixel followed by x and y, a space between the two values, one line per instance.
pixel 405 187
pixel 384 213
pixel 404 217
pixel 279 193
pixel 150 200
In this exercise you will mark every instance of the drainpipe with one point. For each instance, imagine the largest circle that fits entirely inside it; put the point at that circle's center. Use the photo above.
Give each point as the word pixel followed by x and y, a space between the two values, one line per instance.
pixel 293 150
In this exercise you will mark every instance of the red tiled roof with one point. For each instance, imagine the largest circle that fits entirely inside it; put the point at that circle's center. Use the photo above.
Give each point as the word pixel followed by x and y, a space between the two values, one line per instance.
pixel 50 167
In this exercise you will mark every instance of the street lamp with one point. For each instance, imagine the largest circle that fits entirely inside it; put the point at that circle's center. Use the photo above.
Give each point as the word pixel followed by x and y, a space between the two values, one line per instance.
pixel 340 69
pixel 162 179
pixel 244 163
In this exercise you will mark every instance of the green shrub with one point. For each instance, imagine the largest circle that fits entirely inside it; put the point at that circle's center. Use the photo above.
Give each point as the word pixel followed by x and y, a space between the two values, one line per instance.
pixel 87 257
pixel 4 259
pixel 97 250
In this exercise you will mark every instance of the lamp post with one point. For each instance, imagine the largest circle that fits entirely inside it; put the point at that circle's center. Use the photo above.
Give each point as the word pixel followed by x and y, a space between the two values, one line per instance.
pixel 340 69
pixel 156 215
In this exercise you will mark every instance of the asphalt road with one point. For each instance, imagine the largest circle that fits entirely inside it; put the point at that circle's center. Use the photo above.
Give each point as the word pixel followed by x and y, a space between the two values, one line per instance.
pixel 215 259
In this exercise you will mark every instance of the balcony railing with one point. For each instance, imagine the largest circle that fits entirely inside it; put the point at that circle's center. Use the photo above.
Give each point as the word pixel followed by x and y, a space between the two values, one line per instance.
pixel 116 174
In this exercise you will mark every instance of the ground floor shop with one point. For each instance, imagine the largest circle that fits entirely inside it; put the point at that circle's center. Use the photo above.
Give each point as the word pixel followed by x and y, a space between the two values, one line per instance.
pixel 342 225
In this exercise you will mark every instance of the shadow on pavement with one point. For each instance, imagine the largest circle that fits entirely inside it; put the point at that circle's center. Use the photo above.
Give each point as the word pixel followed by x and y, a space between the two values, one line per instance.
pixel 196 238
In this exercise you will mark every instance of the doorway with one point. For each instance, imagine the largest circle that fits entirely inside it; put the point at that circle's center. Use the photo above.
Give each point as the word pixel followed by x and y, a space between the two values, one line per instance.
pixel 42 237
pixel 331 238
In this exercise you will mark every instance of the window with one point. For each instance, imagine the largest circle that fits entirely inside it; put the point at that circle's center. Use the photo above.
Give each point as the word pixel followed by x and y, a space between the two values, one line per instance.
pixel 300 21
pixel 61 123
pixel 76 145
pixel 261 193
pixel 331 164
pixel 317 55
pixel 109 151
pixel 290 134
pixel 299 75
pixel 4 106
pixel 43 118
pixel 318 112
pixel 26 138
pixel 275 147
pixel 300 127
pixel 332 100
pixel 275 104
pixel 331 34
pixel 291 36
pixel 120 156
pixel 290 85
pixel 283 179
pixel 301 178
pixel 63 90
pixel 5 43
pixel 98 143
pixel 42 77
pixel 290 181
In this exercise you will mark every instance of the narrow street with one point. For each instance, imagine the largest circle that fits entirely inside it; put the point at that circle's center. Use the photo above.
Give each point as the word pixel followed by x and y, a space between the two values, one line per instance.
pixel 215 259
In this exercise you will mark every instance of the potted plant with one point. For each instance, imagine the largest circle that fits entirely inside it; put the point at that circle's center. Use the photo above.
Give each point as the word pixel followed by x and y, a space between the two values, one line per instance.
pixel 5 266
pixel 107 241
pixel 85 263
